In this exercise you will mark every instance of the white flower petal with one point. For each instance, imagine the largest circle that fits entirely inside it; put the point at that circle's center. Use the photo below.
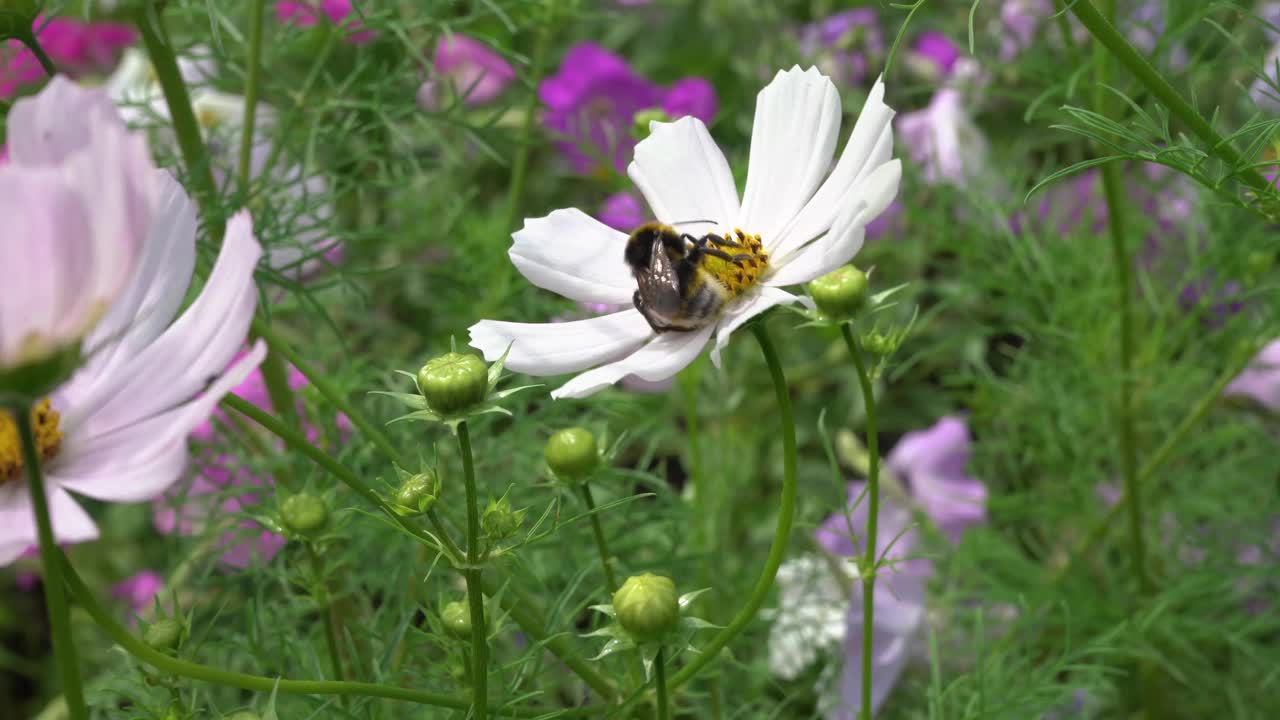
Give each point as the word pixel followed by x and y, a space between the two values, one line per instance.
pixel 683 174
pixel 556 348
pixel 797 124
pixel 71 524
pixel 667 355
pixel 139 461
pixel 869 146
pixel 178 364
pixel 839 246
pixel 573 254
pixel 47 128
pixel 746 308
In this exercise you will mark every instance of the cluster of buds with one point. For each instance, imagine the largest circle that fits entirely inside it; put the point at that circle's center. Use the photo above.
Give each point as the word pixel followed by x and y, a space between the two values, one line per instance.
pixel 648 615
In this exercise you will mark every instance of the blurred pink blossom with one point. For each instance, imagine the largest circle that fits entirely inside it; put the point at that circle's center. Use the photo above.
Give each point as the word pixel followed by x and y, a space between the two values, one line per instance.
pixel 138 589
pixel 75 47
pixel 306 13
pixel 468 69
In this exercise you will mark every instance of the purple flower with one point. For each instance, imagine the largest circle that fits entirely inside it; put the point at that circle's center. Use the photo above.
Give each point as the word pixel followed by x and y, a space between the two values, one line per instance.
pixel 471 70
pixel 1260 381
pixel 592 101
pixel 76 48
pixel 936 52
pixel 889 221
pixel 943 140
pixel 1020 20
pixel 931 463
pixel 841 43
pixel 622 211
pixel 138 589
pixel 307 13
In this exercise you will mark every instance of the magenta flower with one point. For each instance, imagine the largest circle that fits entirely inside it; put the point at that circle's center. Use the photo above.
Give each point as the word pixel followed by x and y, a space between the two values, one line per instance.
pixel 931 464
pixel 469 69
pixel 1260 381
pixel 1020 20
pixel 138 589
pixel 844 44
pixel 308 13
pixel 76 48
pixel 622 211
pixel 593 99
pixel 935 53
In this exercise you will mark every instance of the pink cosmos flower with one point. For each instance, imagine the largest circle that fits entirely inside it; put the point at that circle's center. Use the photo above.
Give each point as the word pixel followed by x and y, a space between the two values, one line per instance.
pixel 943 140
pixel 117 241
pixel 622 211
pixel 468 69
pixel 844 44
pixel 1260 381
pixel 307 13
pixel 139 589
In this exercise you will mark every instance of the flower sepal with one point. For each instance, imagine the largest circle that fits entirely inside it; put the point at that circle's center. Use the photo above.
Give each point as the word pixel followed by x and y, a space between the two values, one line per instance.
pixel 453 388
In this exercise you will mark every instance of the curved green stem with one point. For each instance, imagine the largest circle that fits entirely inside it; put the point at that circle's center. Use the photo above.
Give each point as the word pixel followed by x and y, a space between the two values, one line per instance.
pixel 781 533
pixel 258 683
pixel 195 155
pixel 27 37
pixel 253 64
pixel 326 613
pixel 602 545
pixel 868 572
pixel 1104 32
pixel 55 594
pixel 475 585
pixel 660 684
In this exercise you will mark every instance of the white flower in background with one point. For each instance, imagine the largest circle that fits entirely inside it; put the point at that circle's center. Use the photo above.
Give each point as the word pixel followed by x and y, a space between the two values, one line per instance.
pixel 807 226
pixel 116 430
pixel 809 623
pixel 76 195
pixel 300 197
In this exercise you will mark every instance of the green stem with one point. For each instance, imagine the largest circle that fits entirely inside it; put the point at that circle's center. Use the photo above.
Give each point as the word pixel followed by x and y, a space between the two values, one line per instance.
pixel 190 142
pixel 781 533
pixel 256 683
pixel 1113 190
pixel 1104 32
pixel 517 603
pixel 475 583
pixel 27 37
pixel 660 683
pixel 253 64
pixel 868 569
pixel 55 593
pixel 326 608
pixel 611 581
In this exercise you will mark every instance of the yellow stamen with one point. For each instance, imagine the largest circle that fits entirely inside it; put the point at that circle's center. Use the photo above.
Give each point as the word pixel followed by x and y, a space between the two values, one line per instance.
pixel 742 274
pixel 44 420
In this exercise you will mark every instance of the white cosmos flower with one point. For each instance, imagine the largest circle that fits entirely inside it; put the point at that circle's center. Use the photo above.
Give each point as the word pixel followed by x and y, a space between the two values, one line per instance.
pixel 808 225
pixel 116 429
pixel 135 88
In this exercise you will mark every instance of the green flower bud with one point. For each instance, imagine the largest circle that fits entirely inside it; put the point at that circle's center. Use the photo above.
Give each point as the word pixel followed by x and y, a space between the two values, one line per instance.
pixel 841 293
pixel 304 514
pixel 640 121
pixel 647 606
pixel 572 454
pixel 453 382
pixel 499 521
pixel 456 617
pixel 878 344
pixel 165 634
pixel 417 493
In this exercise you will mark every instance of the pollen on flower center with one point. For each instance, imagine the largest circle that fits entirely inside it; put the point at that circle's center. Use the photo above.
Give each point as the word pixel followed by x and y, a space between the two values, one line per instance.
pixel 741 273
pixel 44 421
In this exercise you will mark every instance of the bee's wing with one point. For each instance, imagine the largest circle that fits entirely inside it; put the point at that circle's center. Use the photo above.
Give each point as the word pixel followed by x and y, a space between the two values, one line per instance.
pixel 659 285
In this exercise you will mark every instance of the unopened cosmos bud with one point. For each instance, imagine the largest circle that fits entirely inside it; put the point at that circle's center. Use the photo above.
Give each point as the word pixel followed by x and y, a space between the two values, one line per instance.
pixel 165 634
pixel 499 521
pixel 572 454
pixel 304 514
pixel 418 492
pixel 647 606
pixel 453 382
pixel 841 293
pixel 456 617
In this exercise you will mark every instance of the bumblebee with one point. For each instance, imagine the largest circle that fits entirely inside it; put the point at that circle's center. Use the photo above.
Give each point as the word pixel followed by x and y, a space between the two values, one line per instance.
pixel 683 281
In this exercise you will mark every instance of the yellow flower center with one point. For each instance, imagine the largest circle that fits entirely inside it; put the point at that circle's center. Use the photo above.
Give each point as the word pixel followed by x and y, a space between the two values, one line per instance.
pixel 742 273
pixel 44 421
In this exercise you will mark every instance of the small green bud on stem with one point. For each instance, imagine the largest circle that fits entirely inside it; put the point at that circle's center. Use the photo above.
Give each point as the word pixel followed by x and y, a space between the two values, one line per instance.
pixel 456 617
pixel 453 382
pixel 417 493
pixel 841 293
pixel 647 606
pixel 572 454
pixel 304 514
pixel 499 521
pixel 164 635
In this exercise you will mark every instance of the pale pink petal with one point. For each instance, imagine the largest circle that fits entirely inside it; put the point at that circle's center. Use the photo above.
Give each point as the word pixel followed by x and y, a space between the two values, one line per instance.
pixel 662 358
pixel 797 125
pixel 556 348
pixel 47 128
pixel 683 174
pixel 71 524
pixel 573 254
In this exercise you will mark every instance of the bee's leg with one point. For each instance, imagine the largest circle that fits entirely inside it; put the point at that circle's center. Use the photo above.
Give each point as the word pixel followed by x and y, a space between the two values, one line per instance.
pixel 713 252
pixel 709 238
